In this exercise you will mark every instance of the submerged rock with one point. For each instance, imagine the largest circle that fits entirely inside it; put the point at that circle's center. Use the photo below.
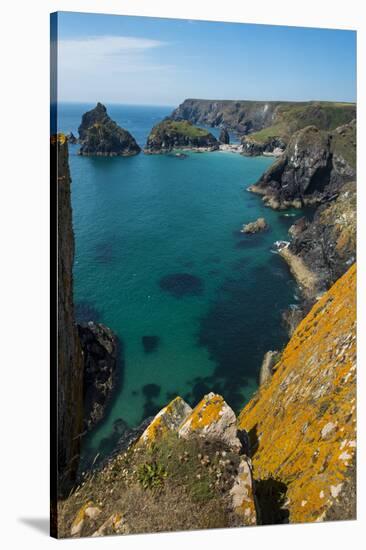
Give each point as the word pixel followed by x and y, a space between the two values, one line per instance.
pixel 150 343
pixel 101 136
pixel 254 227
pixel 182 284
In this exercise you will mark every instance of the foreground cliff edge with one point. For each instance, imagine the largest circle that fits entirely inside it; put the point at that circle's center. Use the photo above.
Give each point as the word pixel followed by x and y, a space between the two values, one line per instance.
pixel 289 457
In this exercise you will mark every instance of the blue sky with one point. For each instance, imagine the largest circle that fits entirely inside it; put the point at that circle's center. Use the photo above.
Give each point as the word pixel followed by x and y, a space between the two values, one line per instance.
pixel 140 60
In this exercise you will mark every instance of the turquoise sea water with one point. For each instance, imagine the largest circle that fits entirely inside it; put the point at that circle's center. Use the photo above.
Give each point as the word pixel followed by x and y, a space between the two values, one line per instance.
pixel 139 219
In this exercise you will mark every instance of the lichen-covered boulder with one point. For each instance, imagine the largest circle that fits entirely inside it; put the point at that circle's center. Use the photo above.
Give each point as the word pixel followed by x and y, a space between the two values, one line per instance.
pixel 87 511
pixel 302 424
pixel 213 418
pixel 168 419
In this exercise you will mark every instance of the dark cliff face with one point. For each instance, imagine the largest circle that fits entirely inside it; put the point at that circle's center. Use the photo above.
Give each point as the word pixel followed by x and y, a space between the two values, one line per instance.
pixel 241 116
pixel 169 134
pixel 265 121
pixel 100 347
pixel 224 137
pixel 101 136
pixel 312 169
pixel 327 244
pixel 70 360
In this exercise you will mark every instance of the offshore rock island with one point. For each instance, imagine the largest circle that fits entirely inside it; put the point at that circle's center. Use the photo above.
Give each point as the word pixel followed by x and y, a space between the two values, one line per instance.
pixel 99 135
pixel 170 134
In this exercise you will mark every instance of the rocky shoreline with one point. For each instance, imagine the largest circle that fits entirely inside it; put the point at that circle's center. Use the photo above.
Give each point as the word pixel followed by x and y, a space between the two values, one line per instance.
pixel 285 457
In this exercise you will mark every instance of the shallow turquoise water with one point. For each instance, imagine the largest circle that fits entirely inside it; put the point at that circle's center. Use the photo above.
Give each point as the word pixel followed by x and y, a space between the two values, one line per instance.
pixel 139 219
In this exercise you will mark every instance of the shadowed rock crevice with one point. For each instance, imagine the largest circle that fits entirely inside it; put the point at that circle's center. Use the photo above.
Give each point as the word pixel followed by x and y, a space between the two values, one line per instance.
pixel 271 501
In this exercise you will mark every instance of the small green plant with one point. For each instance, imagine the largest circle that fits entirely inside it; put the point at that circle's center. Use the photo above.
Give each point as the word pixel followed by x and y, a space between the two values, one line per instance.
pixel 151 475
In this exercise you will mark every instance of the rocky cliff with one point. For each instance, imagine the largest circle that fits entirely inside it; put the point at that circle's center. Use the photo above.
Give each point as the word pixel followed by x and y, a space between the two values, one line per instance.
pixel 312 169
pixel 170 134
pixel 289 457
pixel 99 345
pixel 99 135
pixel 69 359
pixel 301 424
pixel 268 124
pixel 84 377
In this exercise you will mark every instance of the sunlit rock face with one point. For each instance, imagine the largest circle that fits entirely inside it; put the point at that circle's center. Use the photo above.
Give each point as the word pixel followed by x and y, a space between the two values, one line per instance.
pixel 302 425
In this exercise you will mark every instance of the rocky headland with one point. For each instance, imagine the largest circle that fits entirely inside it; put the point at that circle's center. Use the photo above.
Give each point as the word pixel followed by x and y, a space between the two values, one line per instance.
pixel 170 134
pixel 99 135
pixel 312 169
pixel 265 126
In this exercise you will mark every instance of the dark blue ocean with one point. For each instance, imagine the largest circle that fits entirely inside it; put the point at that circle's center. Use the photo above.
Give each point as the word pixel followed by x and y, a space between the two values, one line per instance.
pixel 143 218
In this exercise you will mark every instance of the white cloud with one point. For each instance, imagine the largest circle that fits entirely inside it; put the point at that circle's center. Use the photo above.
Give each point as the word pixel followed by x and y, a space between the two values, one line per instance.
pixel 108 66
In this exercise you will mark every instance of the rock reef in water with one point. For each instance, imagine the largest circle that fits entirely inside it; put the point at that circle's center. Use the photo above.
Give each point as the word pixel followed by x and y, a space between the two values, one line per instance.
pixel 255 227
pixel 99 135
pixel 99 345
pixel 169 135
pixel 182 284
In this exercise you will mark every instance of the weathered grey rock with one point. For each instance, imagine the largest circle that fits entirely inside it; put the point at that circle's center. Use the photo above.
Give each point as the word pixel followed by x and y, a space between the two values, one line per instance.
pixel 254 227
pixel 168 419
pixel 242 494
pixel 224 136
pixel 298 227
pixel 269 361
pixel 312 170
pixel 212 418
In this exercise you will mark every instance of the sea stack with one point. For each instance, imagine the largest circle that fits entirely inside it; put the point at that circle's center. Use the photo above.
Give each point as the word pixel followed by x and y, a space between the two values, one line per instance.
pixel 101 136
pixel 224 137
pixel 170 134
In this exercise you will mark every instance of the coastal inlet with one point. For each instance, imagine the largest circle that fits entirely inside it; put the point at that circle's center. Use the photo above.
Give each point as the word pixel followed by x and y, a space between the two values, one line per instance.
pixel 160 259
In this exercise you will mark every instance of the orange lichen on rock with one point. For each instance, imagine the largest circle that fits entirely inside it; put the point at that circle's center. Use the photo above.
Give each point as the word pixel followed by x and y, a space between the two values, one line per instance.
pixel 302 424
pixel 214 418
pixel 169 418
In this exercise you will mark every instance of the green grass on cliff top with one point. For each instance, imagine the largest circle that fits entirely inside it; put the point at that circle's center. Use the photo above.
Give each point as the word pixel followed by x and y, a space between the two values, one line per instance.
pixel 183 127
pixel 291 117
